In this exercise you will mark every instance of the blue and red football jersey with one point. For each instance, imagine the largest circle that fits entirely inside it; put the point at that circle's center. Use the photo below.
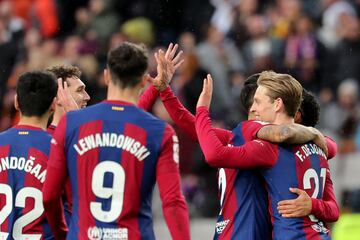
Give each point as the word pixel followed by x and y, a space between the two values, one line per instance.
pixel 243 199
pixel 24 152
pixel 304 167
pixel 114 153
pixel 282 166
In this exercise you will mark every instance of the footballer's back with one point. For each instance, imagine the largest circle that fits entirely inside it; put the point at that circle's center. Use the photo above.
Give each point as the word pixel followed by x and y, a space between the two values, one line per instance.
pixel 305 167
pixel 111 151
pixel 24 152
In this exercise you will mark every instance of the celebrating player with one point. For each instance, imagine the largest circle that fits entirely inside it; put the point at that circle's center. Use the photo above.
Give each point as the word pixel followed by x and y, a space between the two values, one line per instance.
pixel 241 191
pixel 24 151
pixel 276 100
pixel 114 152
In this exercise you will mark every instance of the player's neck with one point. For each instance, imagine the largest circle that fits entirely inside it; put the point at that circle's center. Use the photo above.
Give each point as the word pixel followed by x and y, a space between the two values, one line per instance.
pixel 283 119
pixel 39 122
pixel 127 94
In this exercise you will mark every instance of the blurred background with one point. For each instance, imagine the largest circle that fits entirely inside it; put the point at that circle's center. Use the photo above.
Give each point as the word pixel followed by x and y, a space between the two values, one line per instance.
pixel 316 41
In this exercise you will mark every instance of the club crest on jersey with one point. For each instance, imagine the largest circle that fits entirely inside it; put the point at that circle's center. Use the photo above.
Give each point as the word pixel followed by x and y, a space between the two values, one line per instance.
pixel 220 226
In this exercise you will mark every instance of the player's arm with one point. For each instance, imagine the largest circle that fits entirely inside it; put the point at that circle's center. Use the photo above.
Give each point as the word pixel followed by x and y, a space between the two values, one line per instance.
pixel 148 98
pixel 256 153
pixel 325 209
pixel 167 63
pixel 332 147
pixel 55 180
pixel 168 179
pixel 184 119
pixel 292 134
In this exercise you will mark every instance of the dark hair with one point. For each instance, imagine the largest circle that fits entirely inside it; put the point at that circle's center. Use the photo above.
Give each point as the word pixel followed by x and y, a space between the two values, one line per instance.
pixel 309 109
pixel 127 64
pixel 247 93
pixel 65 72
pixel 35 92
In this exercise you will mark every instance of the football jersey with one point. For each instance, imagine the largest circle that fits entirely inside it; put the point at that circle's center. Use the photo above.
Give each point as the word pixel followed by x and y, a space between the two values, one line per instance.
pixel 304 167
pixel 244 213
pixel 24 152
pixel 112 153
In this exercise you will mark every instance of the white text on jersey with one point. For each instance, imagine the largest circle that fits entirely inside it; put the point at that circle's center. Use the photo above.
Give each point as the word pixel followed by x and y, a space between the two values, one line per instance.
pixel 23 164
pixel 112 140
pixel 309 149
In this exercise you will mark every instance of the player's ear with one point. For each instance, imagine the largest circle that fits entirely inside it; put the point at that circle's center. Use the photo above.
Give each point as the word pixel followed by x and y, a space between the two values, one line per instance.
pixel 298 117
pixel 143 81
pixel 16 102
pixel 53 104
pixel 278 104
pixel 106 77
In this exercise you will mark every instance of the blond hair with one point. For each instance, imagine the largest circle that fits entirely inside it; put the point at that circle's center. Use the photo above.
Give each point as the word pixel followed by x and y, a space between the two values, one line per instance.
pixel 282 86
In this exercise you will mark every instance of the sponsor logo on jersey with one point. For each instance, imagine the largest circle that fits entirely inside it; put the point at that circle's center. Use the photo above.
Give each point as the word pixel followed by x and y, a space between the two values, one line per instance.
pixel 220 226
pixel 98 233
pixel 319 227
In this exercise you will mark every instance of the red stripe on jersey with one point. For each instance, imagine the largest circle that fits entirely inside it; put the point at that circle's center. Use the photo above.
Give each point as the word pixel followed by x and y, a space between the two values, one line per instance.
pixel 230 203
pixel 270 208
pixel 30 180
pixel 133 179
pixel 4 152
pixel 85 168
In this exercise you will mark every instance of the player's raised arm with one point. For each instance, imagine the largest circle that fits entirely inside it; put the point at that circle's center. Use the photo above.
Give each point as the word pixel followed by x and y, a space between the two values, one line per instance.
pixel 252 154
pixel 168 179
pixel 54 183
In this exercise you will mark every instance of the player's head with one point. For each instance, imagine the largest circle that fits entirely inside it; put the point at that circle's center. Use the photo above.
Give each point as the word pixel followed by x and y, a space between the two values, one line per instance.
pixel 309 111
pixel 247 94
pixel 71 75
pixel 127 65
pixel 277 95
pixel 35 93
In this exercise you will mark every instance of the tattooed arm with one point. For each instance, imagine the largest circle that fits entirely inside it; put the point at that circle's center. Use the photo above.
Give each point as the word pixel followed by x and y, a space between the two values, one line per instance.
pixel 292 134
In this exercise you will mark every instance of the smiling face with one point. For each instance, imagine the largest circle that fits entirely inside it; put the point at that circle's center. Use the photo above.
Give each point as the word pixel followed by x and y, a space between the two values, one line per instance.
pixel 77 91
pixel 264 108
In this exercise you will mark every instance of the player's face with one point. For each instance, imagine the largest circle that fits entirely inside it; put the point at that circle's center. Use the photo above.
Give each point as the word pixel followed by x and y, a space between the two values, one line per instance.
pixel 77 91
pixel 263 107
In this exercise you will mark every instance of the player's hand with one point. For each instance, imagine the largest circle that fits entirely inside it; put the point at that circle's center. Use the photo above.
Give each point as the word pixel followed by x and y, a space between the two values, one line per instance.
pixel 320 141
pixel 64 98
pixel 167 64
pixel 299 207
pixel 206 94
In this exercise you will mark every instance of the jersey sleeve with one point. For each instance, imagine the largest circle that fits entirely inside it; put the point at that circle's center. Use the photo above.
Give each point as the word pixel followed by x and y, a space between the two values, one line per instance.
pixel 168 179
pixel 332 147
pixel 326 208
pixel 185 120
pixel 55 180
pixel 148 98
pixel 256 153
pixel 250 128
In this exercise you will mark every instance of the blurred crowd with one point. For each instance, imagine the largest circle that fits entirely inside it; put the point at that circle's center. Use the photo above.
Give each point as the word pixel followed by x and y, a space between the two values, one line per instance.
pixel 316 41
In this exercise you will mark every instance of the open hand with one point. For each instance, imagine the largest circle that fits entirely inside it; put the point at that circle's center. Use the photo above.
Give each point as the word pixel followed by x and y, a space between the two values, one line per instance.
pixel 206 94
pixel 64 98
pixel 167 64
